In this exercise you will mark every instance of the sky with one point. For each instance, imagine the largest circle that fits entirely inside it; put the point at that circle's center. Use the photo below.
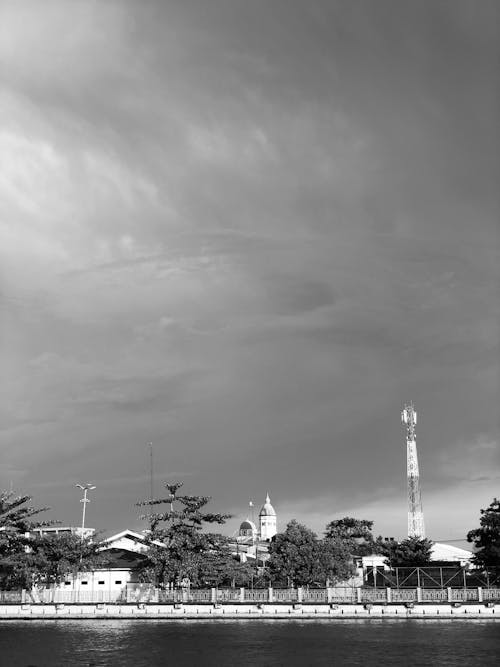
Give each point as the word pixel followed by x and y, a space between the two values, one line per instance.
pixel 249 232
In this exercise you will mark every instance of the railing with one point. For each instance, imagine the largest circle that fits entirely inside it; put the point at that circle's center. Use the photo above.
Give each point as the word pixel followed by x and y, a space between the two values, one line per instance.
pixel 285 595
pixel 344 595
pixel 148 594
pixel 318 595
pixel 11 597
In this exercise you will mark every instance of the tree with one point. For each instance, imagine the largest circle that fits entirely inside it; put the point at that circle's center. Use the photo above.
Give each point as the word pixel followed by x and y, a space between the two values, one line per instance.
pixel 293 555
pixel 299 558
pixel 355 534
pixel 178 548
pixel 219 567
pixel 334 561
pixel 16 515
pixel 350 528
pixel 16 520
pixel 411 552
pixel 50 559
pixel 486 538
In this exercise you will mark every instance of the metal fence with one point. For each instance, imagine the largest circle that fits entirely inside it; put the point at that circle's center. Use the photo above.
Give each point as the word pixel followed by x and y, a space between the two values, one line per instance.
pixel 432 576
pixel 149 594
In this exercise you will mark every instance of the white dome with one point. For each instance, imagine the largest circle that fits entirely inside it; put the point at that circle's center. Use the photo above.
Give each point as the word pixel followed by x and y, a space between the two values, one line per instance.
pixel 267 508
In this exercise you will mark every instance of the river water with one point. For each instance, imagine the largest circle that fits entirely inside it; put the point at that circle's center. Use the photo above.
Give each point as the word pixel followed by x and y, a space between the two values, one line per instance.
pixel 270 643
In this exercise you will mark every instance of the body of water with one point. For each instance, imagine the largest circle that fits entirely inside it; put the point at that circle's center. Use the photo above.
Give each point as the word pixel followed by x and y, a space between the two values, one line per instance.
pixel 273 643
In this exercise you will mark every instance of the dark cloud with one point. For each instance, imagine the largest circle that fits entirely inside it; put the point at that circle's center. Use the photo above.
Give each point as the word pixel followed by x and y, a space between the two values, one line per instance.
pixel 247 232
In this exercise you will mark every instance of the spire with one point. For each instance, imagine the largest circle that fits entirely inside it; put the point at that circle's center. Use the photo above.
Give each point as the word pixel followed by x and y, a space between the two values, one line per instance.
pixel 268 500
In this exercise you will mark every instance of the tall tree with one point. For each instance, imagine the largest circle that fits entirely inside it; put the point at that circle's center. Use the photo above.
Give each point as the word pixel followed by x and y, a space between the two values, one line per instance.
pixel 334 561
pixel 355 534
pixel 299 558
pixel 411 552
pixel 293 555
pixel 486 538
pixel 178 546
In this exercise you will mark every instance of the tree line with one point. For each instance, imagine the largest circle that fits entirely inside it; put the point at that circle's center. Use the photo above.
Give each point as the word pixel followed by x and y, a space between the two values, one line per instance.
pixel 184 548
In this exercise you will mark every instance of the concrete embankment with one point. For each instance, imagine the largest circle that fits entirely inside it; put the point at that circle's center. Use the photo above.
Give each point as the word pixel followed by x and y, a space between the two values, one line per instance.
pixel 244 611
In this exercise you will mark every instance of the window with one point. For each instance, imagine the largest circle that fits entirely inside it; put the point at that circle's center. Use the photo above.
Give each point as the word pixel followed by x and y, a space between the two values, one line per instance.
pixel 118 581
pixel 101 583
pixel 67 583
pixel 84 583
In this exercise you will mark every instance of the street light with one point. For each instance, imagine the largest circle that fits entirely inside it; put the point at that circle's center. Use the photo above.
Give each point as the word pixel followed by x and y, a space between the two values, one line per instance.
pixel 85 488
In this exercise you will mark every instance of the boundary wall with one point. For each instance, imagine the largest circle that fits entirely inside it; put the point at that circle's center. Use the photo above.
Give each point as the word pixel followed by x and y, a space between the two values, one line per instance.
pixel 178 611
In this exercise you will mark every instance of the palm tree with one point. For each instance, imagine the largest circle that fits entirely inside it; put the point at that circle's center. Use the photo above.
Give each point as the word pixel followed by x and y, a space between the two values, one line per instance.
pixel 16 515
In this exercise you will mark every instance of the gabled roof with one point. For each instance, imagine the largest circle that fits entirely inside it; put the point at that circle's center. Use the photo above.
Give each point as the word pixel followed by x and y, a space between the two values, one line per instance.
pixel 128 540
pixel 447 552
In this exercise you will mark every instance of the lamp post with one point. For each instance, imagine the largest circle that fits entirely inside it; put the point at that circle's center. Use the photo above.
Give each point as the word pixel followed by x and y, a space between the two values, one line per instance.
pixel 85 488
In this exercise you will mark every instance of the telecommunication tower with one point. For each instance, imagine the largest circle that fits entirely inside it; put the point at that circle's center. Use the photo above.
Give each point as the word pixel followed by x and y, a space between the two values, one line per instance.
pixel 416 527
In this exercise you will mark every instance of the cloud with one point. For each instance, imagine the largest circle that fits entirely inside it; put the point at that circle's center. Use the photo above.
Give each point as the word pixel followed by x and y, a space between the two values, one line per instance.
pixel 250 234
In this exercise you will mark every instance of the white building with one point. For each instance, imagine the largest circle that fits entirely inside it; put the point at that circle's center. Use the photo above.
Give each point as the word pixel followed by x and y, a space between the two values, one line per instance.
pixel 248 531
pixel 267 520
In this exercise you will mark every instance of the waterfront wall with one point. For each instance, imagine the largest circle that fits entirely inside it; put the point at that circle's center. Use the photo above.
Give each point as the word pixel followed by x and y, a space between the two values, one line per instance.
pixel 247 611
pixel 146 593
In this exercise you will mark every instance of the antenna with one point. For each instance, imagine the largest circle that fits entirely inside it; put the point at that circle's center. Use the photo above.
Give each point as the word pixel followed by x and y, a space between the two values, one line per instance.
pixel 151 490
pixel 416 526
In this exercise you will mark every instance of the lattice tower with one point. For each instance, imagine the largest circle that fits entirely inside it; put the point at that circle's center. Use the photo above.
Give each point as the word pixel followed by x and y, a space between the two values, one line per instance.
pixel 416 526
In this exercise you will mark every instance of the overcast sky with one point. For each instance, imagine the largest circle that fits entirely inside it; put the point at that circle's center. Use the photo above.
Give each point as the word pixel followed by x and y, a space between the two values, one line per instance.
pixel 248 231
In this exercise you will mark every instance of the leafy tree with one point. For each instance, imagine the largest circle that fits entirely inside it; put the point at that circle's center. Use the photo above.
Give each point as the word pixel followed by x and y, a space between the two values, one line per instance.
pixel 334 561
pixel 219 567
pixel 411 552
pixel 293 555
pixel 486 538
pixel 355 534
pixel 49 559
pixel 349 528
pixel 178 547
pixel 299 558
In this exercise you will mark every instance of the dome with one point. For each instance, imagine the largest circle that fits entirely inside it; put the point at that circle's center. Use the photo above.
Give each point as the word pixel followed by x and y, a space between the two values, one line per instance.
pixel 247 525
pixel 267 508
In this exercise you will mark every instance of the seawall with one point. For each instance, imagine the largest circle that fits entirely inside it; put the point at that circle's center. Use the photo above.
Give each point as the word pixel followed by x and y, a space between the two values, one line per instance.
pixel 245 611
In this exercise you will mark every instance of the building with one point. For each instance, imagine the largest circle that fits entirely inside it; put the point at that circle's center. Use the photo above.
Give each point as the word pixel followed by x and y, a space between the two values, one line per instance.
pixel 267 525
pixel 63 530
pixel 252 541
pixel 267 520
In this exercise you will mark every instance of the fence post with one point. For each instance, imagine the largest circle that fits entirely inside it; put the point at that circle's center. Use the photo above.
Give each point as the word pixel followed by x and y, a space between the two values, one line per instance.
pixel 450 594
pixel 388 594
pixel 270 594
pixel 358 595
pixel 214 595
pixel 329 594
pixel 419 594
pixel 299 594
pixel 242 594
pixel 479 594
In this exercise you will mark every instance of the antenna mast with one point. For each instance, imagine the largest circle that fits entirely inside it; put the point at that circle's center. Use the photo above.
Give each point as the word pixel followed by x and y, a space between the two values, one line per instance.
pixel 151 490
pixel 416 527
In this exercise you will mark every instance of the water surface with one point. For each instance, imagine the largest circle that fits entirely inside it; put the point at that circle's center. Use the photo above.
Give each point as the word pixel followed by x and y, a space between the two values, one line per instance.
pixel 270 643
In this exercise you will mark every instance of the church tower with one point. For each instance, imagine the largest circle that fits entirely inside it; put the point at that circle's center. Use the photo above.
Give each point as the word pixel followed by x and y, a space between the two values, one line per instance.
pixel 267 520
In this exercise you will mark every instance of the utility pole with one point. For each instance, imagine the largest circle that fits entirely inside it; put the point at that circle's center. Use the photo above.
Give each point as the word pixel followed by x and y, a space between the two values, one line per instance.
pixel 85 488
pixel 416 526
